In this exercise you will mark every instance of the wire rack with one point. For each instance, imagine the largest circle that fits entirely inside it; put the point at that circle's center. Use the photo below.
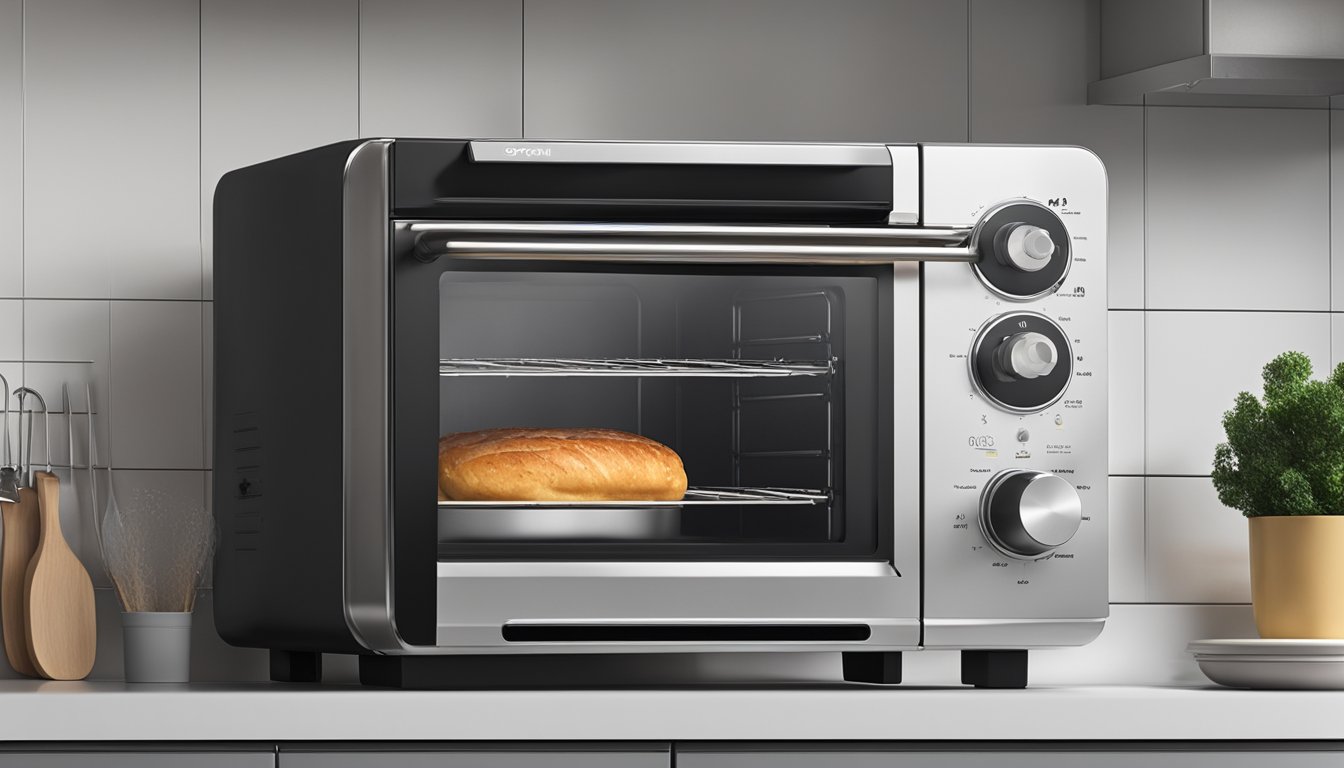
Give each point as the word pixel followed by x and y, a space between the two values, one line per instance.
pixel 528 366
pixel 695 497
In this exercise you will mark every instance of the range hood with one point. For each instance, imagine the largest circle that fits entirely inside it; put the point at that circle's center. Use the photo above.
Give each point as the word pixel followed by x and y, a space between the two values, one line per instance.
pixel 1248 53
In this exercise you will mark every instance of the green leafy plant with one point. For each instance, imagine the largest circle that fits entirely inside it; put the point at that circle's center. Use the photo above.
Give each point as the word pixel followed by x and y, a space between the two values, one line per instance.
pixel 1285 456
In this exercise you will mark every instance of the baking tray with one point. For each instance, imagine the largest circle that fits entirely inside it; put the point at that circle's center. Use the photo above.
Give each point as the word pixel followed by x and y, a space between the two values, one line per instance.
pixel 598 520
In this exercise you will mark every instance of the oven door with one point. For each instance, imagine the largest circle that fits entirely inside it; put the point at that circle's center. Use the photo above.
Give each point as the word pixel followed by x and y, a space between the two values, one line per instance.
pixel 781 364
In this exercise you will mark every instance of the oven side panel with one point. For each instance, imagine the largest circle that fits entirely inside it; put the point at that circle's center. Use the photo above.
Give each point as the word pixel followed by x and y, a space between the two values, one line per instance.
pixel 278 435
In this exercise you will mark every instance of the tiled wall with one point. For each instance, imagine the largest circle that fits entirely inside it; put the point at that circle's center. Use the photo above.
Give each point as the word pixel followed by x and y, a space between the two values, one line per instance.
pixel 117 117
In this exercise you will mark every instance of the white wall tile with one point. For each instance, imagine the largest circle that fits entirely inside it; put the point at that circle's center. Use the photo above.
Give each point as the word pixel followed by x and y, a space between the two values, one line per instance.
pixel 1214 172
pixel 870 70
pixel 112 149
pixel 1197 548
pixel 208 380
pixel 1127 544
pixel 70 331
pixel 1336 210
pixel 1143 645
pixel 157 385
pixel 276 78
pixel 1038 95
pixel 1198 362
pixel 445 69
pixel 11 349
pixel 1336 340
pixel 11 147
pixel 1126 365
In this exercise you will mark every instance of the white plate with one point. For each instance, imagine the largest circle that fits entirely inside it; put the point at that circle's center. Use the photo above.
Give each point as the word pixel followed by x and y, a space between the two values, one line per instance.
pixel 1282 664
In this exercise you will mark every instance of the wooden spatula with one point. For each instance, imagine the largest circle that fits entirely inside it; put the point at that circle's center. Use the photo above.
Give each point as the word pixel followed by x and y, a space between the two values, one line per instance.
pixel 21 527
pixel 62 625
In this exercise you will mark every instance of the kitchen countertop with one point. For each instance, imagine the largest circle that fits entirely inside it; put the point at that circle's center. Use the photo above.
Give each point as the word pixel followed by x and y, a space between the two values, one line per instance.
pixel 82 711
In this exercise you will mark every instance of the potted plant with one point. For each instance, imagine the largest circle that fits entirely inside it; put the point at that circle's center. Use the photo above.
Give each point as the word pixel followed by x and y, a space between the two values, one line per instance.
pixel 1283 467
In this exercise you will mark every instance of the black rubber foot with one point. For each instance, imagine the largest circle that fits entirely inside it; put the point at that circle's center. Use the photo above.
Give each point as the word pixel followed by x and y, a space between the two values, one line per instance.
pixel 881 667
pixel 994 669
pixel 296 667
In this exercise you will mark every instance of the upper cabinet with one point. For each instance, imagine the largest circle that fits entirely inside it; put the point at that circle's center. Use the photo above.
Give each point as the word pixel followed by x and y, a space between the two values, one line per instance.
pixel 846 70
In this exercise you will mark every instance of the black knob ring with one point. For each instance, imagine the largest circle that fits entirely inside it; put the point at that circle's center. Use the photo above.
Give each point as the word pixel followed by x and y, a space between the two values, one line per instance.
pixel 995 269
pixel 1012 394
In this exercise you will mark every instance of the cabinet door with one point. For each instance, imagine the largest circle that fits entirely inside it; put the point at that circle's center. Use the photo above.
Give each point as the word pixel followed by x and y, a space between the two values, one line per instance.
pixel 137 760
pixel 994 758
pixel 538 757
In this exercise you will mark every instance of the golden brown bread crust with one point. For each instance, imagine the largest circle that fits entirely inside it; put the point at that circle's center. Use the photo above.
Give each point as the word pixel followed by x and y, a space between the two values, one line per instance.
pixel 521 464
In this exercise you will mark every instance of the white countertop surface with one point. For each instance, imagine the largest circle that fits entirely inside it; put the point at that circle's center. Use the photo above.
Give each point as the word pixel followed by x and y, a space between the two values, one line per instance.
pixel 80 711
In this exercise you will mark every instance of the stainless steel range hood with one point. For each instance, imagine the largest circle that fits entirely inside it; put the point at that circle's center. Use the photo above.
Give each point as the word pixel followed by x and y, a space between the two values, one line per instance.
pixel 1250 53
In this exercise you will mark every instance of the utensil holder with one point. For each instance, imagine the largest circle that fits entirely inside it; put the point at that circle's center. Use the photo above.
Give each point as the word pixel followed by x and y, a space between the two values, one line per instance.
pixel 157 646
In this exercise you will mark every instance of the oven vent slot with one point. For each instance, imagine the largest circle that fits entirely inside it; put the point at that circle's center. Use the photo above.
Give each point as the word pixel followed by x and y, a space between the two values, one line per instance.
pixel 686 633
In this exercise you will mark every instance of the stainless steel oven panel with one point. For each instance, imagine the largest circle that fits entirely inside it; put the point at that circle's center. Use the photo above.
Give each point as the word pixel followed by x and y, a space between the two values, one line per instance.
pixel 477 599
pixel 974 596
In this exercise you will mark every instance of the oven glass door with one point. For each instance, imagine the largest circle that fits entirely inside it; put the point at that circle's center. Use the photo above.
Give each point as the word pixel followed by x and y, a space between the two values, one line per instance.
pixel 764 381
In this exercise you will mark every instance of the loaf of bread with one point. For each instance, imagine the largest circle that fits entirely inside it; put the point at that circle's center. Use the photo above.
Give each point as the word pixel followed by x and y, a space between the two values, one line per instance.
pixel 558 465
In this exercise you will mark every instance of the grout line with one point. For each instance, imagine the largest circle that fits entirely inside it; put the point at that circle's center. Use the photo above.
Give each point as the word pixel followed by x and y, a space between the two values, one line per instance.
pixel 359 68
pixel 200 139
pixel 1234 311
pixel 522 69
pixel 969 49
pixel 111 298
pixel 1194 604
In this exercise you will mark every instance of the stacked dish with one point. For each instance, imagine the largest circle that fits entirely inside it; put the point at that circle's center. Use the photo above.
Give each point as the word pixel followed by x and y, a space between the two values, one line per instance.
pixel 1283 664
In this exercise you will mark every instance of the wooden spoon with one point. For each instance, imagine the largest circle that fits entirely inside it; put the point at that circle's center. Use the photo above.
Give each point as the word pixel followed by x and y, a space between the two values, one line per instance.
pixel 21 527
pixel 62 625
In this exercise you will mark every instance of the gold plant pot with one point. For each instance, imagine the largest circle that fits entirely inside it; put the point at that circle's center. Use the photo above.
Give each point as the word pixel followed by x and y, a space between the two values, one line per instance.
pixel 1297 576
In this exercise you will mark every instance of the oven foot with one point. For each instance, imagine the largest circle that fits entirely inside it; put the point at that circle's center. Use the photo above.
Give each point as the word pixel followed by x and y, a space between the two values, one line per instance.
pixel 994 669
pixel 296 666
pixel 881 667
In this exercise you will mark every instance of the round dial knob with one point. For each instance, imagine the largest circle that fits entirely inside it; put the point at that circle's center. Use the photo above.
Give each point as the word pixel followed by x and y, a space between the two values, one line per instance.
pixel 1026 514
pixel 1027 355
pixel 1022 250
pixel 1027 247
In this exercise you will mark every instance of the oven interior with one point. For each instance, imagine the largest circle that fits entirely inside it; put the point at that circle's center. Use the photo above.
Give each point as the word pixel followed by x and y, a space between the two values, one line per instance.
pixel 765 382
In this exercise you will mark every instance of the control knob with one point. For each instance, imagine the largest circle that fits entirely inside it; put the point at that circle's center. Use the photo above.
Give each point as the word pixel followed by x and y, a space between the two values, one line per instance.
pixel 1026 514
pixel 1026 247
pixel 1029 355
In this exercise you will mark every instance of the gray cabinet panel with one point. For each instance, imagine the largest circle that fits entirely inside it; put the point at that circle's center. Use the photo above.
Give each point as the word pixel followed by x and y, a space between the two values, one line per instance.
pixel 112 149
pixel 999 759
pixel 846 70
pixel 137 760
pixel 441 68
pixel 276 78
pixel 541 758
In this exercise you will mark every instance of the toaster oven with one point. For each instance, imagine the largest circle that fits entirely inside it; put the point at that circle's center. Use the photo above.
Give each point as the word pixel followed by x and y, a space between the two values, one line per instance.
pixel 883 368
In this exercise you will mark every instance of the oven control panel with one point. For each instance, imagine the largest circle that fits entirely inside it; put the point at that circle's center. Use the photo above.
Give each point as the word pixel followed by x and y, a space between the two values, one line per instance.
pixel 1015 413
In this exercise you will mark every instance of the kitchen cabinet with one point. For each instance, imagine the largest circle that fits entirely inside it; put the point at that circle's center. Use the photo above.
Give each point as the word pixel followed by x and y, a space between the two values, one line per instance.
pixel 490 756
pixel 1001 757
pixel 137 760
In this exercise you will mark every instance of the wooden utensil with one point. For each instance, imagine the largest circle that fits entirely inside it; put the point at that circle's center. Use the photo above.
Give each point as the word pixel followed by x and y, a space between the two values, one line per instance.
pixel 62 624
pixel 21 530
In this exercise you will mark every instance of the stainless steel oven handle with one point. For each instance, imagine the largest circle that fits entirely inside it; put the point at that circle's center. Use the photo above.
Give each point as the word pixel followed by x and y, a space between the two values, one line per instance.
pixel 689 243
